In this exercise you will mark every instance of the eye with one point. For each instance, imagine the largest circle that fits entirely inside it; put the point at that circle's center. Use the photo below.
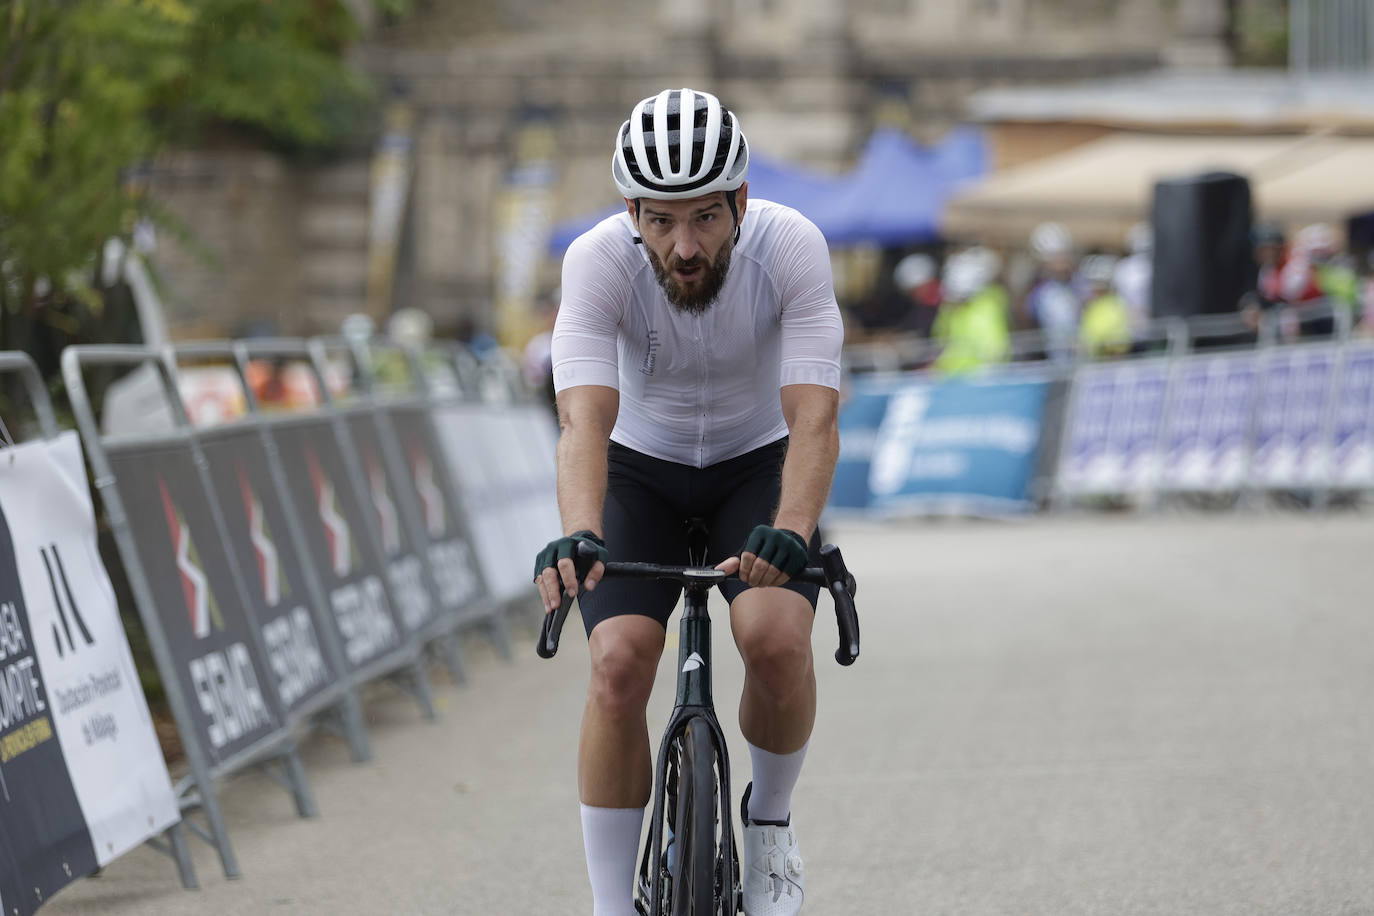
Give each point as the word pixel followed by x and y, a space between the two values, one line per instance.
pixel 707 217
pixel 658 221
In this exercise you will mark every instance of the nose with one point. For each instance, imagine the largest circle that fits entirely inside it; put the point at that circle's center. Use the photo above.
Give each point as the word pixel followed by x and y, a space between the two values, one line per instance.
pixel 686 245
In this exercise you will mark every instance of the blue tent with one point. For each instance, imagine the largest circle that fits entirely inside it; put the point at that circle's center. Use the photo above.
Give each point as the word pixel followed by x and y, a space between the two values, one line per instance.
pixel 892 197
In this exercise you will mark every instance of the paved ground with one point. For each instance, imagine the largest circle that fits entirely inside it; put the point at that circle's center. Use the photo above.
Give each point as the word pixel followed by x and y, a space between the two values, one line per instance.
pixel 1092 715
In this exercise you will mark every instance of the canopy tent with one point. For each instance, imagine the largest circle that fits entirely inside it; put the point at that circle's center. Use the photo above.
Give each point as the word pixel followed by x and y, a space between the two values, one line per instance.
pixel 1100 188
pixel 892 197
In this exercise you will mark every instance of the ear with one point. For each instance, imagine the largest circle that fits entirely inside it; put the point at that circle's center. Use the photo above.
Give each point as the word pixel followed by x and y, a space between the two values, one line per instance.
pixel 742 198
pixel 632 208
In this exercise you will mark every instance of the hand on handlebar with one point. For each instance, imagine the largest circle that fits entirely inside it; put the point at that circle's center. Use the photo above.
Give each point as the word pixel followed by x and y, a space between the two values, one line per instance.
pixel 770 556
pixel 555 571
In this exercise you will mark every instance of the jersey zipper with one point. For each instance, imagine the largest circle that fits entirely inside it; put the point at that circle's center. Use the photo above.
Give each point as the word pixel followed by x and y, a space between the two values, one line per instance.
pixel 703 394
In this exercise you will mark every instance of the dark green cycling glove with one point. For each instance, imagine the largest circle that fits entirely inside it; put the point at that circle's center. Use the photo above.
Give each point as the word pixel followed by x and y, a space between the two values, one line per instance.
pixel 781 548
pixel 566 546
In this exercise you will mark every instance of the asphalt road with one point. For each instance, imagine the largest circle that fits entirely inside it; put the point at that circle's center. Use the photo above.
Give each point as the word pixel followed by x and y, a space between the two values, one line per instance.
pixel 1091 715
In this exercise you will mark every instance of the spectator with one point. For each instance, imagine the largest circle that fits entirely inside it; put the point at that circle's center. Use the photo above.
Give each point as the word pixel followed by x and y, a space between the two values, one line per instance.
pixel 972 323
pixel 1052 304
pixel 918 279
pixel 1316 270
pixel 1134 276
pixel 1367 324
pixel 1267 294
pixel 1105 330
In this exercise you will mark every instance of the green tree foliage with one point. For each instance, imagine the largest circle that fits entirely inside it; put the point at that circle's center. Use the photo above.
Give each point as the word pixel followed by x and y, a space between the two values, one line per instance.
pixel 92 90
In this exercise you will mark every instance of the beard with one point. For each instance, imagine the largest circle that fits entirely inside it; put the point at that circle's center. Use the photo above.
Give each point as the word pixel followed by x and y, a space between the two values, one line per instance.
pixel 701 295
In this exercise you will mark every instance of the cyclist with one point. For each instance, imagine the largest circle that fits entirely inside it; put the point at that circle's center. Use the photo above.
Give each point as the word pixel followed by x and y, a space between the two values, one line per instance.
pixel 697 363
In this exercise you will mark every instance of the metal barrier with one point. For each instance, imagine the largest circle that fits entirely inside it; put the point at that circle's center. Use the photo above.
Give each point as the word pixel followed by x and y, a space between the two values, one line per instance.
pixel 1215 404
pixel 500 451
pixel 269 538
pixel 183 580
pixel 1295 417
pixel 1172 336
pixel 174 845
pixel 325 481
pixel 405 413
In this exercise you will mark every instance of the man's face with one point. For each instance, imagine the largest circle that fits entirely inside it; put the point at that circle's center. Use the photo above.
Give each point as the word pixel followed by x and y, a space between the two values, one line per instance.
pixel 689 243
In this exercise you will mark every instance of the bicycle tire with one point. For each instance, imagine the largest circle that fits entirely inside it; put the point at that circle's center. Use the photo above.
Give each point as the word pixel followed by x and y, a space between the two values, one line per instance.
pixel 694 881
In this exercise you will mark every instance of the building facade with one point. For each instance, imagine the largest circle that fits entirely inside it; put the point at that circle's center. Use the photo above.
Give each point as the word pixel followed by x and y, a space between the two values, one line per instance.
pixel 514 105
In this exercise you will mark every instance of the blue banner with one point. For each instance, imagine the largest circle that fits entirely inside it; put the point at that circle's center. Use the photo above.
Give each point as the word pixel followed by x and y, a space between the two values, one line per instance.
pixel 952 446
pixel 859 421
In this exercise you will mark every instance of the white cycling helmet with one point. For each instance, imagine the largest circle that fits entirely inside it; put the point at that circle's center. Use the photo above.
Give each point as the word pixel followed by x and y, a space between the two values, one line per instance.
pixel 658 157
pixel 988 262
pixel 1098 269
pixel 1050 239
pixel 963 277
pixel 912 271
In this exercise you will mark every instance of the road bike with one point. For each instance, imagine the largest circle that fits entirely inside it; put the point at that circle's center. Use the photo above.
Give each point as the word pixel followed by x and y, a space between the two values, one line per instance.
pixel 690 865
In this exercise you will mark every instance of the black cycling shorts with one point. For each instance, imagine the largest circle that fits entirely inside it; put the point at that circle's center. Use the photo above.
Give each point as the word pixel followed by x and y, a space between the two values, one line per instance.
pixel 649 503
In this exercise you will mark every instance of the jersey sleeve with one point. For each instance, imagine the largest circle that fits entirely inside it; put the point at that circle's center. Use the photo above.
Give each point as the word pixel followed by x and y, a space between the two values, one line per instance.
pixel 812 331
pixel 594 293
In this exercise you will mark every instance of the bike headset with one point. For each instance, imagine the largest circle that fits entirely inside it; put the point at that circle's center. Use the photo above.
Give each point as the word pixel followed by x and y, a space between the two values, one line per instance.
pixel 658 157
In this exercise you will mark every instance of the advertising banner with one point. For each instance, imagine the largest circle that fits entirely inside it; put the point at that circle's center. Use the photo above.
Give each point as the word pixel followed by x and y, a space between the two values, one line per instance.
pixel 410 584
pixel 1291 443
pixel 1112 433
pixel 333 522
pixel 959 446
pixel 450 553
pixel 860 417
pixel 1207 432
pixel 511 500
pixel 221 671
pixel 1352 426
pixel 266 556
pixel 82 779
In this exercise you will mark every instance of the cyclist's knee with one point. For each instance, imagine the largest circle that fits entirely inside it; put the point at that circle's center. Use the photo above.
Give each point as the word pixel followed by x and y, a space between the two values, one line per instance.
pixel 624 659
pixel 775 649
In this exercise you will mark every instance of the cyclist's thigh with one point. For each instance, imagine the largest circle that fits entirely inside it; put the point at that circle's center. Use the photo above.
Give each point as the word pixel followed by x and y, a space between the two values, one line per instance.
pixel 746 493
pixel 641 523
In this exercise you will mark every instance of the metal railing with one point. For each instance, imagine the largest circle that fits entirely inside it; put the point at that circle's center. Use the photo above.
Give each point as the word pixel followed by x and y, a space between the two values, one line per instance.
pixel 1173 336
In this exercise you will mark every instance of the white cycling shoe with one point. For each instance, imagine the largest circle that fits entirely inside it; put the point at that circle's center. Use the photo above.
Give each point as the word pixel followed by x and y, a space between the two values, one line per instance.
pixel 771 870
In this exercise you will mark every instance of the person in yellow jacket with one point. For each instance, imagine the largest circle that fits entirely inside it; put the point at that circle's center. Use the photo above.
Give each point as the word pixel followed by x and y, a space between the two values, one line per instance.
pixel 1104 330
pixel 972 324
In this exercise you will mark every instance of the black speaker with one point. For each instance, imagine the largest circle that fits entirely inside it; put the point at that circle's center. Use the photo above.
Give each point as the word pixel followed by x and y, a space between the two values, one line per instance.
pixel 1203 259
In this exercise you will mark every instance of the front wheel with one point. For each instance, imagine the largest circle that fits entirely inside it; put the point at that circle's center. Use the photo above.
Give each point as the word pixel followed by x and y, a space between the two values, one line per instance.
pixel 694 869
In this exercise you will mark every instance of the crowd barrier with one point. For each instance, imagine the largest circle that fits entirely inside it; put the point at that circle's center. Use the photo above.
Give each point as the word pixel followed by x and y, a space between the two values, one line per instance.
pixel 82 779
pixel 281 560
pixel 1278 417
pixel 1294 417
pixel 916 443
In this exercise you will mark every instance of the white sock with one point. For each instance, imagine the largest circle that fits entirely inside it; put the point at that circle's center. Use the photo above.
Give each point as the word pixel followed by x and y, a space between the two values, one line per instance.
pixel 775 776
pixel 610 837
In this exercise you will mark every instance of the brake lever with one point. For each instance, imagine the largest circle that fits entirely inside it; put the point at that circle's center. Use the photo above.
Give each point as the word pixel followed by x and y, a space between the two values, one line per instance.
pixel 843 587
pixel 552 628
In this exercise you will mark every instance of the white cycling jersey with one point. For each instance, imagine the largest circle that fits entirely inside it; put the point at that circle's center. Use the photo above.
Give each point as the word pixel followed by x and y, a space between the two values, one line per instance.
pixel 698 389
